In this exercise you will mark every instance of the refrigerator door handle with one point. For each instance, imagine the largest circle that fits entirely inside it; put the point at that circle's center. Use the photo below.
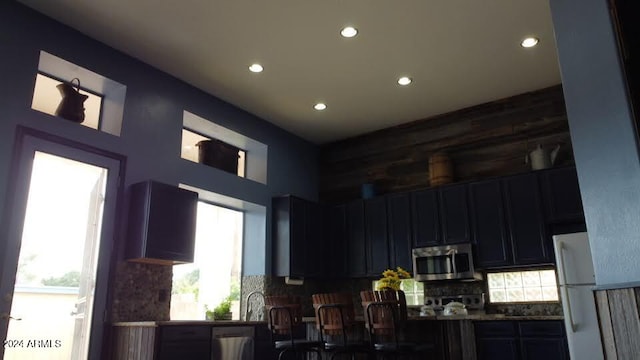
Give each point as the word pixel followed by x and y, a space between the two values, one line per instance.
pixel 564 286
pixel 569 315
pixel 561 261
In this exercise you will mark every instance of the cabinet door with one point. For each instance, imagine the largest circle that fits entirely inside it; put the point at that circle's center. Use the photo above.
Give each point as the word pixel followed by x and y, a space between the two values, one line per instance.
pixel 376 236
pixel 543 340
pixel 496 340
pixel 488 225
pixel 425 218
pixel 337 236
pixel 562 199
pixel 288 228
pixel 399 223
pixel 316 246
pixel 162 223
pixel 454 214
pixel 184 342
pixel 526 221
pixel 543 348
pixel 356 247
pixel 497 349
pixel 297 233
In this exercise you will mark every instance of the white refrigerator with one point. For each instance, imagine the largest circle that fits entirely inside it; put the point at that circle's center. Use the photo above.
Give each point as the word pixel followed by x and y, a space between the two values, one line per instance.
pixel 576 280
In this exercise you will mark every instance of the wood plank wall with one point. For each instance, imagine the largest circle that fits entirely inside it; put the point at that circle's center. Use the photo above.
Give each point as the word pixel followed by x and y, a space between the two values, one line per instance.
pixel 483 141
pixel 618 313
pixel 133 342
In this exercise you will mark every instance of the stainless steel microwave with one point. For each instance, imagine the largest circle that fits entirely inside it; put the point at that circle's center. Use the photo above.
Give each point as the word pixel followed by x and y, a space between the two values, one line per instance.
pixel 447 262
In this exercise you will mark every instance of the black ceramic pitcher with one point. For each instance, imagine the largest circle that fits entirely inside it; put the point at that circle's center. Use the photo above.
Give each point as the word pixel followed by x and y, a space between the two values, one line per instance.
pixel 71 106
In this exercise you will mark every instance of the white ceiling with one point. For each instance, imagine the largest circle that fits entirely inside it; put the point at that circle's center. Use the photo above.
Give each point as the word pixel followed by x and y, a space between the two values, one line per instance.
pixel 459 53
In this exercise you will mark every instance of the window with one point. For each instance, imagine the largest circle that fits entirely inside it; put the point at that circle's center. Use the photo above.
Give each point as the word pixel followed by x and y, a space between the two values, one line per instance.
pixel 413 291
pixel 522 286
pixel 215 274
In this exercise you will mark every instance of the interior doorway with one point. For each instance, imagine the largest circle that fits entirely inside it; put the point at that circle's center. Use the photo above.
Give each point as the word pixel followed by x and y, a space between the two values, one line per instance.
pixel 63 216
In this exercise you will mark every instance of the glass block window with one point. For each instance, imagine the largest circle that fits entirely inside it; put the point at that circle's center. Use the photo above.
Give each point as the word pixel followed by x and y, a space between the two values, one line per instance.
pixel 413 291
pixel 523 286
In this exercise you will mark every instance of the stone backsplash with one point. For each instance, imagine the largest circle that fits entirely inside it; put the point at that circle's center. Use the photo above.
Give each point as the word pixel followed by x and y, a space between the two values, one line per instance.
pixel 480 287
pixel 142 292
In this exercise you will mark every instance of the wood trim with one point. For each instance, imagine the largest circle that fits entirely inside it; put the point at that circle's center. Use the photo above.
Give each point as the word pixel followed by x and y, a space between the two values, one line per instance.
pixel 619 316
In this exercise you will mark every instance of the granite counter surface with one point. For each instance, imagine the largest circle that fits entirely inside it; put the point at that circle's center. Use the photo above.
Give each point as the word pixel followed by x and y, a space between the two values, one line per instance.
pixel 472 317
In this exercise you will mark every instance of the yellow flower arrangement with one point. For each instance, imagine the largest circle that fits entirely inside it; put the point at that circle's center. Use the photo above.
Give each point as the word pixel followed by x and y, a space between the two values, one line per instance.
pixel 391 279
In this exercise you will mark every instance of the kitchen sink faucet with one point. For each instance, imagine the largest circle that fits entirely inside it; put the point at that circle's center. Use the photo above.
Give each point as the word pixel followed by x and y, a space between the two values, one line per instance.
pixel 248 312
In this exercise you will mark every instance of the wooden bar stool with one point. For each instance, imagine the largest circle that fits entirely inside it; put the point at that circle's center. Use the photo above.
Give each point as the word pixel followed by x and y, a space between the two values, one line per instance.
pixel 284 315
pixel 385 314
pixel 335 320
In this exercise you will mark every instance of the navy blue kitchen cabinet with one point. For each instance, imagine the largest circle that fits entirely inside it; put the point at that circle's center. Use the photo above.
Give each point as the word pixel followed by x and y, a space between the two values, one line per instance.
pixel 562 200
pixel 162 223
pixel 337 238
pixel 454 214
pixel 376 235
pixel 525 340
pixel 356 244
pixel 525 218
pixel 489 227
pixel 496 340
pixel 440 216
pixel 425 218
pixel 297 234
pixel 399 226
pixel 543 340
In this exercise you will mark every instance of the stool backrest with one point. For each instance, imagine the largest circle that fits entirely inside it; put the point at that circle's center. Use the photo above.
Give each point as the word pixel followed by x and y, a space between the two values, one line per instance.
pixel 384 311
pixel 284 312
pixel 334 312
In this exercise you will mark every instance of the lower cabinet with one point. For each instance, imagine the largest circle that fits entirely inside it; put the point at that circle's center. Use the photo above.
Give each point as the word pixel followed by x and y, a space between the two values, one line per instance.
pixel 193 342
pixel 184 342
pixel 526 340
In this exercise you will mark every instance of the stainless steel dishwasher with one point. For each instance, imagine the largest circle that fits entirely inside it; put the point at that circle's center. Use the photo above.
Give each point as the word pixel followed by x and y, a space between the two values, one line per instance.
pixel 232 342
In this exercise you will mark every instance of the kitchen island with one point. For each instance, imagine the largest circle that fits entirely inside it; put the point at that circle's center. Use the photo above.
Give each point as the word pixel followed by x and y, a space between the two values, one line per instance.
pixel 455 336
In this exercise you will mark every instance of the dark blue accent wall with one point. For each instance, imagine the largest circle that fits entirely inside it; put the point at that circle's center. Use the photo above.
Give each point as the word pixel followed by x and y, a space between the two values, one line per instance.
pixel 151 130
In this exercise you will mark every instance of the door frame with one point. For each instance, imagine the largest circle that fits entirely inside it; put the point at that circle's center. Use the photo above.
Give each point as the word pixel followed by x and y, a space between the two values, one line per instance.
pixel 27 142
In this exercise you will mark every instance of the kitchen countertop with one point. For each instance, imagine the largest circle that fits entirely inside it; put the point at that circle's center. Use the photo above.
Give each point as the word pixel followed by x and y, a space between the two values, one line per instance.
pixel 472 317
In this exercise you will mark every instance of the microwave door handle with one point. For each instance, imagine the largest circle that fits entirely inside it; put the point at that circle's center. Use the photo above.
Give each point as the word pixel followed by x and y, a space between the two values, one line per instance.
pixel 453 253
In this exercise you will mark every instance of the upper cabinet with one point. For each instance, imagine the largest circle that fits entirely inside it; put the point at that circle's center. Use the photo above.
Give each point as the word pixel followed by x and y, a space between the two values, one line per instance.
pixel 376 235
pixel 563 202
pixel 162 223
pixel 297 236
pixel 513 218
pixel 355 241
pixel 400 235
pixel 454 214
pixel 425 218
pixel 489 224
pixel 526 220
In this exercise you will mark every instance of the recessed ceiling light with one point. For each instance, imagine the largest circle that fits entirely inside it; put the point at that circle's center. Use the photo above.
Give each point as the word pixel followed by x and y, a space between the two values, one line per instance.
pixel 320 106
pixel 529 42
pixel 256 68
pixel 349 32
pixel 405 80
